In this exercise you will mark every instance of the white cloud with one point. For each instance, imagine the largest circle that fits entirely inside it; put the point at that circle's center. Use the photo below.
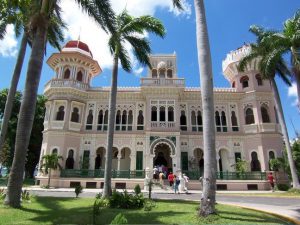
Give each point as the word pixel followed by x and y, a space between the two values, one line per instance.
pixel 92 34
pixel 8 46
pixel 292 92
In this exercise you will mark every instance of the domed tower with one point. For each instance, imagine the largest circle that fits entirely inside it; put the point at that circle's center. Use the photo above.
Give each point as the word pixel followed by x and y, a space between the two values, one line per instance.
pixel 246 81
pixel 74 68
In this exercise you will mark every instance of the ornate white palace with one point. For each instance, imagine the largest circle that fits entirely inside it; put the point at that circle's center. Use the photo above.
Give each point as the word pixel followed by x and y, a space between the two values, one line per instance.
pixel 158 123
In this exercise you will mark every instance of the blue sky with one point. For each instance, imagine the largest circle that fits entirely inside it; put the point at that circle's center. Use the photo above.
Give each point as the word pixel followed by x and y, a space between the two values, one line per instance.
pixel 228 24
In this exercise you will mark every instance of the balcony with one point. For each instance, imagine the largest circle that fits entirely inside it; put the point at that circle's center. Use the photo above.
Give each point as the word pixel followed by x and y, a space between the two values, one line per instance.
pixel 57 124
pixel 268 127
pixel 54 83
pixel 162 82
pixel 251 129
pixel 74 126
pixel 159 126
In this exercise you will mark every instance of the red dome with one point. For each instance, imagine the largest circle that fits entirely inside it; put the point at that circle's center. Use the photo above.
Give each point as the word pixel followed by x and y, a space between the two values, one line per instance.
pixel 78 44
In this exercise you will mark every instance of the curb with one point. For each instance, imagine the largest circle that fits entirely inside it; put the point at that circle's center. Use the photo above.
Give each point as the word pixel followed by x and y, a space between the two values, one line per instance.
pixel 285 218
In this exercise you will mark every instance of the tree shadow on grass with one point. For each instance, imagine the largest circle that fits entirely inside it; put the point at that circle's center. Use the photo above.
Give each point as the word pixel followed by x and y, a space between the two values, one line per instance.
pixel 54 211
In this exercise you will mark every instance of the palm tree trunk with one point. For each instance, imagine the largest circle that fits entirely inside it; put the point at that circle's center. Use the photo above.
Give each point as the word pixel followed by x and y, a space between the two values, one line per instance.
pixel 297 77
pixel 111 126
pixel 27 110
pixel 49 177
pixel 278 108
pixel 13 88
pixel 208 199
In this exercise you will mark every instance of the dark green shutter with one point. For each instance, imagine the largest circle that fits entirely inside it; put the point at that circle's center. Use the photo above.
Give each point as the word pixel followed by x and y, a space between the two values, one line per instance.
pixel 184 161
pixel 139 160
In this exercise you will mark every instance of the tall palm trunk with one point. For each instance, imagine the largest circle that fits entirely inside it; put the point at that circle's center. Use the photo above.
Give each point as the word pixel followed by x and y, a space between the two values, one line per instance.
pixel 210 163
pixel 297 77
pixel 12 90
pixel 111 126
pixel 49 177
pixel 278 108
pixel 27 110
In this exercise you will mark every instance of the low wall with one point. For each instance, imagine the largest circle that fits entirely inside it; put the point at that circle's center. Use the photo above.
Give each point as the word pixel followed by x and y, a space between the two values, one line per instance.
pixel 119 183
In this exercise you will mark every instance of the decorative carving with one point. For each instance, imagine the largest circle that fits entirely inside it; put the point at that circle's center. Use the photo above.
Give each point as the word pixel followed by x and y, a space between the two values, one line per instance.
pixel 172 138
pixel 153 138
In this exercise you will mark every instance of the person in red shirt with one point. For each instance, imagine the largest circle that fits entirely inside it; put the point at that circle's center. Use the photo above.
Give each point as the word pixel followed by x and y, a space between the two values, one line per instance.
pixel 271 181
pixel 171 179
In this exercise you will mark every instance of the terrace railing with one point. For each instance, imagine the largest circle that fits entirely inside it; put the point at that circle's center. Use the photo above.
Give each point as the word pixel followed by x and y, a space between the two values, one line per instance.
pixel 195 175
pixel 83 173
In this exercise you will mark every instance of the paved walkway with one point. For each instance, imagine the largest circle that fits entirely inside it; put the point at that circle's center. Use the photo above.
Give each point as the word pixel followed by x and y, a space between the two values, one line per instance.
pixel 285 207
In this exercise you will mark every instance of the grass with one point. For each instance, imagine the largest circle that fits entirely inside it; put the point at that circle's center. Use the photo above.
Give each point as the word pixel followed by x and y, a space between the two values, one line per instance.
pixel 50 210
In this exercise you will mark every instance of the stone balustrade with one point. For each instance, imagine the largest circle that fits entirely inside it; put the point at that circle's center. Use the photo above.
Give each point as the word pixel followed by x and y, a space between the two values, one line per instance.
pixel 162 82
pixel 62 83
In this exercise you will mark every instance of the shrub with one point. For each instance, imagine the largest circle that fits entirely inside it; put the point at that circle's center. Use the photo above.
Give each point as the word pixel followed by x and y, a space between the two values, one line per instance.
pixel 78 190
pixel 137 189
pixel 119 219
pixel 294 191
pixel 126 200
pixel 283 187
pixel 2 194
pixel 25 195
pixel 149 204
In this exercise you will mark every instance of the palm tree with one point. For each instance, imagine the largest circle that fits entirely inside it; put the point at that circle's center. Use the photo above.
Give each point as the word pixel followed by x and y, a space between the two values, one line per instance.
pixel 129 29
pixel 270 66
pixel 101 12
pixel 55 35
pixel 51 162
pixel 288 41
pixel 208 199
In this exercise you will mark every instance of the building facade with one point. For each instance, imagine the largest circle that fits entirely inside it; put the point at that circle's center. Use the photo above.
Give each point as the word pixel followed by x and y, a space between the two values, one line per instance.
pixel 160 122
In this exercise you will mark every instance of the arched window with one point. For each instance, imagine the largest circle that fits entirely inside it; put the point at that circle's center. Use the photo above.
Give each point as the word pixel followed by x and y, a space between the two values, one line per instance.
pixel 61 113
pixel 75 115
pixel 100 120
pixel 255 164
pixel 89 120
pixel 249 116
pixel 233 84
pixel 124 120
pixel 199 121
pixel 153 113
pixel 130 120
pixel 169 73
pixel 245 81
pixel 162 113
pixel 105 120
pixel 234 123
pixel 154 73
pixel 259 80
pixel 140 121
pixel 118 120
pixel 183 124
pixel 162 73
pixel 218 121
pixel 54 151
pixel 264 114
pixel 223 121
pixel 67 73
pixel 79 76
pixel 70 160
pixel 193 121
pixel 170 114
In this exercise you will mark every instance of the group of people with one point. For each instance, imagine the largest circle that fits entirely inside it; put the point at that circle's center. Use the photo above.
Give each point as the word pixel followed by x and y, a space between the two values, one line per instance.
pixel 161 172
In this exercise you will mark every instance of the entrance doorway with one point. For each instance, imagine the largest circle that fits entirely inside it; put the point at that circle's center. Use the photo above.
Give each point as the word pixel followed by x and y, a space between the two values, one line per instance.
pixel 163 156
pixel 198 155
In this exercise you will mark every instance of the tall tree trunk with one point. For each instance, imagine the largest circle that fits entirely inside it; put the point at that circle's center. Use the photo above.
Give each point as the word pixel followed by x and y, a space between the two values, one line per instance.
pixel 297 77
pixel 27 110
pixel 49 177
pixel 13 88
pixel 208 199
pixel 279 110
pixel 111 128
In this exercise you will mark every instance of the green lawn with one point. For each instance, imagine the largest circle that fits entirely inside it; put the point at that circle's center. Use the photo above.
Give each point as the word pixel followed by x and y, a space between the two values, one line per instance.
pixel 50 210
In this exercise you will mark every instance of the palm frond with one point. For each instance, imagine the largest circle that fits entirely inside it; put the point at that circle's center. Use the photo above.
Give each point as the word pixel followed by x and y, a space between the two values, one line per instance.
pixel 124 59
pixel 3 25
pixel 178 4
pixel 141 49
